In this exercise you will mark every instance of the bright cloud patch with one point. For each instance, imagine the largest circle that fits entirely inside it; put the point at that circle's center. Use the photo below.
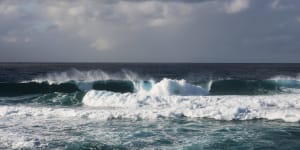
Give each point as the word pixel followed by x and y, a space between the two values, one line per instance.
pixel 236 6
pixel 101 44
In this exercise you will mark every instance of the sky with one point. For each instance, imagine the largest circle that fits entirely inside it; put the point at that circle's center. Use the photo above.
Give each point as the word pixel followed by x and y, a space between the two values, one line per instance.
pixel 201 31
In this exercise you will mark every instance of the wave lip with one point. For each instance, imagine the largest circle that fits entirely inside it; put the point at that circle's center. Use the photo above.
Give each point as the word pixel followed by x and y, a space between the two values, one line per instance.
pixel 284 107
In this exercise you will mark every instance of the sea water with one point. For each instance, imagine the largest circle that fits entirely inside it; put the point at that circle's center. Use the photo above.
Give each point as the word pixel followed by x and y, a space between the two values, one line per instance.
pixel 149 106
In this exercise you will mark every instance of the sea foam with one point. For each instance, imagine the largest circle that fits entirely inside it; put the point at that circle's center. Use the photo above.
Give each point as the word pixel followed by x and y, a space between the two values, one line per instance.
pixel 167 87
pixel 284 107
pixel 102 105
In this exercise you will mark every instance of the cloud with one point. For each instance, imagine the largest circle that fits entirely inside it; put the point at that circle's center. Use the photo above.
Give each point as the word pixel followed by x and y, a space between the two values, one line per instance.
pixel 15 39
pixel 281 5
pixel 168 1
pixel 9 39
pixel 134 30
pixel 8 9
pixel 275 4
pixel 90 20
pixel 153 13
pixel 298 19
pixel 101 44
pixel 235 6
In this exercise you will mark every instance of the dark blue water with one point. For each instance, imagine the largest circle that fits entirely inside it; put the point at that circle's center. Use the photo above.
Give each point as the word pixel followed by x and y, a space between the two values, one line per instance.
pixel 149 106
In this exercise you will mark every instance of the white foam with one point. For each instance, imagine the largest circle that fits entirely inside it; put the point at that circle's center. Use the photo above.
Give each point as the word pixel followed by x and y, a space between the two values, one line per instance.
pixel 16 141
pixel 285 107
pixel 282 77
pixel 168 87
pixel 102 105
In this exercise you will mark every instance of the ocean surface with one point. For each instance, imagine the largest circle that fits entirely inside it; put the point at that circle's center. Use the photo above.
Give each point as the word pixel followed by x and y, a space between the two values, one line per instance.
pixel 149 106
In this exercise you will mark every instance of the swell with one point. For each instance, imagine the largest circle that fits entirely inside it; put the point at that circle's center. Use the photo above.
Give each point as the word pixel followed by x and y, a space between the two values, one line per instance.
pixel 253 87
pixel 126 81
pixel 244 87
pixel 30 88
pixel 18 89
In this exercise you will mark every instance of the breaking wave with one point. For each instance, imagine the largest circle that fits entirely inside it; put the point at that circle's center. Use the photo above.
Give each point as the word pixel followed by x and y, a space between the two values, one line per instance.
pixel 164 87
pixel 127 95
pixel 285 107
pixel 129 82
pixel 103 105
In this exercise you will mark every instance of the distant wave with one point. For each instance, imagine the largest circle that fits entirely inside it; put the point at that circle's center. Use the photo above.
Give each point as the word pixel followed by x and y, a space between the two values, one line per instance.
pixel 127 95
pixel 164 87
pixel 129 82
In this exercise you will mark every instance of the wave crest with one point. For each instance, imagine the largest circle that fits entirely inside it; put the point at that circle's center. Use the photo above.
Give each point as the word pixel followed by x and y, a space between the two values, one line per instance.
pixel 128 81
pixel 168 87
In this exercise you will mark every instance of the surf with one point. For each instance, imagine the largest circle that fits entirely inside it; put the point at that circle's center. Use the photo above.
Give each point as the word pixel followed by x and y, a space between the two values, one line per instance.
pixel 103 105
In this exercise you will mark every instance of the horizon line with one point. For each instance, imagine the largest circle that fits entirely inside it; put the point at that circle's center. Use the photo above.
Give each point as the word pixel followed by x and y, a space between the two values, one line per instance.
pixel 58 62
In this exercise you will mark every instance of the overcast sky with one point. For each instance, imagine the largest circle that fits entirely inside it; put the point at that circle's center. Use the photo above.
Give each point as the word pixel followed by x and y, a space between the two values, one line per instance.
pixel 150 30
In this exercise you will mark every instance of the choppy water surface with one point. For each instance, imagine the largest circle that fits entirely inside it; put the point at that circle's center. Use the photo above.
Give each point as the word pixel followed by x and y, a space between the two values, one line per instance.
pixel 171 133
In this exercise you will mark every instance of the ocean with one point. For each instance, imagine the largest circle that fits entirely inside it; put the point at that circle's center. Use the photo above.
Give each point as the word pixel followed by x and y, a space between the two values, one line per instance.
pixel 149 106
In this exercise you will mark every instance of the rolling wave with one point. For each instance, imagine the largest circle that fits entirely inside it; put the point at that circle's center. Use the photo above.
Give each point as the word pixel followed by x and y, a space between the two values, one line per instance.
pixel 163 87
pixel 19 89
pixel 244 87
pixel 223 99
pixel 128 81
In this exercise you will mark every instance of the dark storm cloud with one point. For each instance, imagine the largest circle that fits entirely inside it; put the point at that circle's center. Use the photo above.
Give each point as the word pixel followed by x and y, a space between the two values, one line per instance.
pixel 150 30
